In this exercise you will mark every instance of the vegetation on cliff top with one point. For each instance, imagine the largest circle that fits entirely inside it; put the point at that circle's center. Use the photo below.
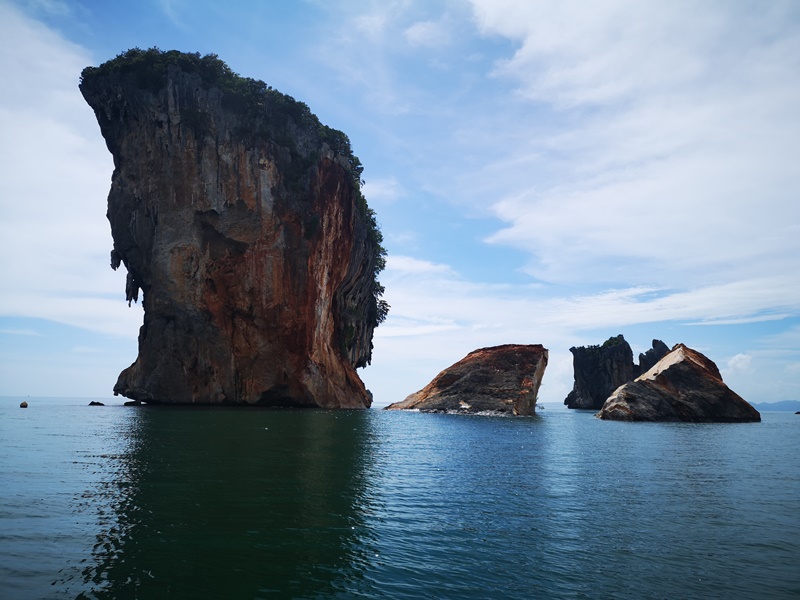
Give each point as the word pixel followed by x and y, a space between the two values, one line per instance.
pixel 257 104
pixel 614 341
pixel 609 343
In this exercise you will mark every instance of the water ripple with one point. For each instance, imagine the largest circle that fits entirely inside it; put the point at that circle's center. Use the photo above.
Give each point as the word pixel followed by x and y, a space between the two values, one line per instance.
pixel 120 503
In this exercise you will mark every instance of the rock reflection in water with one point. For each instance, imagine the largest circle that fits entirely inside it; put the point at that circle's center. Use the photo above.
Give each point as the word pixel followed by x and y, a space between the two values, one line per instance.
pixel 234 503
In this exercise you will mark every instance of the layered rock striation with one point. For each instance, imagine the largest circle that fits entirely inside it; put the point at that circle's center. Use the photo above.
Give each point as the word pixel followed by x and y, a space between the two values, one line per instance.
pixel 683 386
pixel 599 370
pixel 501 379
pixel 239 218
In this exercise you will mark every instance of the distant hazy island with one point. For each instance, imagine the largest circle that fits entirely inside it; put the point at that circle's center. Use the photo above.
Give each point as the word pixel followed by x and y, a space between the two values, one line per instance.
pixel 783 405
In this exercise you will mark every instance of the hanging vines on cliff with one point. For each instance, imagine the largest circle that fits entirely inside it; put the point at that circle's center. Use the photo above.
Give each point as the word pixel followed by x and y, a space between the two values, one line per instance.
pixel 264 113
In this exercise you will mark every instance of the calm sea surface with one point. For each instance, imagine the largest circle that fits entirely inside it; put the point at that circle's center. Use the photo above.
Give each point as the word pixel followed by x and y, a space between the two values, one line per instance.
pixel 115 502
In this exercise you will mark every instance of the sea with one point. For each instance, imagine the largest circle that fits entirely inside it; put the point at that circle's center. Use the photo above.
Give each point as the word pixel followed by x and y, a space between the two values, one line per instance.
pixel 164 502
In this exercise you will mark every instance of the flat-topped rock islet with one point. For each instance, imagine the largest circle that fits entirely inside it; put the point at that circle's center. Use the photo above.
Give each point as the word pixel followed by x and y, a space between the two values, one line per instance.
pixel 500 379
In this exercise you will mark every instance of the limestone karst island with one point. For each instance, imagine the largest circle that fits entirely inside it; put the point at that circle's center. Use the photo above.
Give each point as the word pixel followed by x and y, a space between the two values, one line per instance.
pixel 667 385
pixel 240 220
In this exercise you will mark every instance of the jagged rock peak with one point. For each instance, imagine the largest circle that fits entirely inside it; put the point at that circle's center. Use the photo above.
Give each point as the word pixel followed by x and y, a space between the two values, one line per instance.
pixel 601 369
pixel 651 357
pixel 240 218
pixel 500 379
pixel 684 385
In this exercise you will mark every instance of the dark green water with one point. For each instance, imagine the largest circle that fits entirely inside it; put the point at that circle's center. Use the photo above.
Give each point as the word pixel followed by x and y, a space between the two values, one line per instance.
pixel 116 502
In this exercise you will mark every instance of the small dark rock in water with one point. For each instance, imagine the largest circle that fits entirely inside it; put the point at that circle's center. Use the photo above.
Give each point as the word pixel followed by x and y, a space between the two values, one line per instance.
pixel 95 403
pixel 798 412
pixel 133 403
pixel 23 404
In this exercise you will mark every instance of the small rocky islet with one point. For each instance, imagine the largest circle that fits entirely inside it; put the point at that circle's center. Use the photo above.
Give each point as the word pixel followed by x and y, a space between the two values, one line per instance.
pixel 601 369
pixel 497 380
pixel 239 218
pixel 680 384
pixel 683 386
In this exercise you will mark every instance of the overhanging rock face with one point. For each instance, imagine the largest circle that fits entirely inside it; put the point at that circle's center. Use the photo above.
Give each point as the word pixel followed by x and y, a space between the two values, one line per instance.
pixel 240 218
pixel 683 386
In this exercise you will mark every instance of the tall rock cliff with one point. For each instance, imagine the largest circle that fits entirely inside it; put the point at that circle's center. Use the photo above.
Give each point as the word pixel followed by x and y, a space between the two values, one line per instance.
pixel 240 218
pixel 599 370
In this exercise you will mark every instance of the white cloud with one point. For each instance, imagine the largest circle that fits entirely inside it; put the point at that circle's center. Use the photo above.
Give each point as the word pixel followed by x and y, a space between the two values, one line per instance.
pixel 54 178
pixel 573 53
pixel 438 316
pixel 86 350
pixel 407 265
pixel 362 36
pixel 372 24
pixel 25 332
pixel 406 327
pixel 427 34
pixel 672 162
pixel 788 340
pixel 401 238
pixel 738 363
pixel 382 191
pixel 50 7
pixel 382 52
pixel 172 9
pixel 743 320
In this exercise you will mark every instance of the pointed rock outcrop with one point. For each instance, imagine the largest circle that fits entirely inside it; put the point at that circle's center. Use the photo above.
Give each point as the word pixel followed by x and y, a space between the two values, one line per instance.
pixel 239 218
pixel 648 359
pixel 500 379
pixel 599 370
pixel 683 386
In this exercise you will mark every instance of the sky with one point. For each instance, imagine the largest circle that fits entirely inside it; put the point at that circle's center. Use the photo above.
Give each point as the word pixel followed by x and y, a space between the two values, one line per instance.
pixel 543 173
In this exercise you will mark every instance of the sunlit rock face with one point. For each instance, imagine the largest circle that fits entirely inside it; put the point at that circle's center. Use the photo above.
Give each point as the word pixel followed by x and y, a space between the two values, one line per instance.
pixel 599 370
pixel 240 218
pixel 501 379
pixel 683 386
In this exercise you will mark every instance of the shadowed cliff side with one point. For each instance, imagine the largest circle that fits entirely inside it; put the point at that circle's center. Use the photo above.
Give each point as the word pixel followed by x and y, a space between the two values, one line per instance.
pixel 240 218
pixel 599 370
